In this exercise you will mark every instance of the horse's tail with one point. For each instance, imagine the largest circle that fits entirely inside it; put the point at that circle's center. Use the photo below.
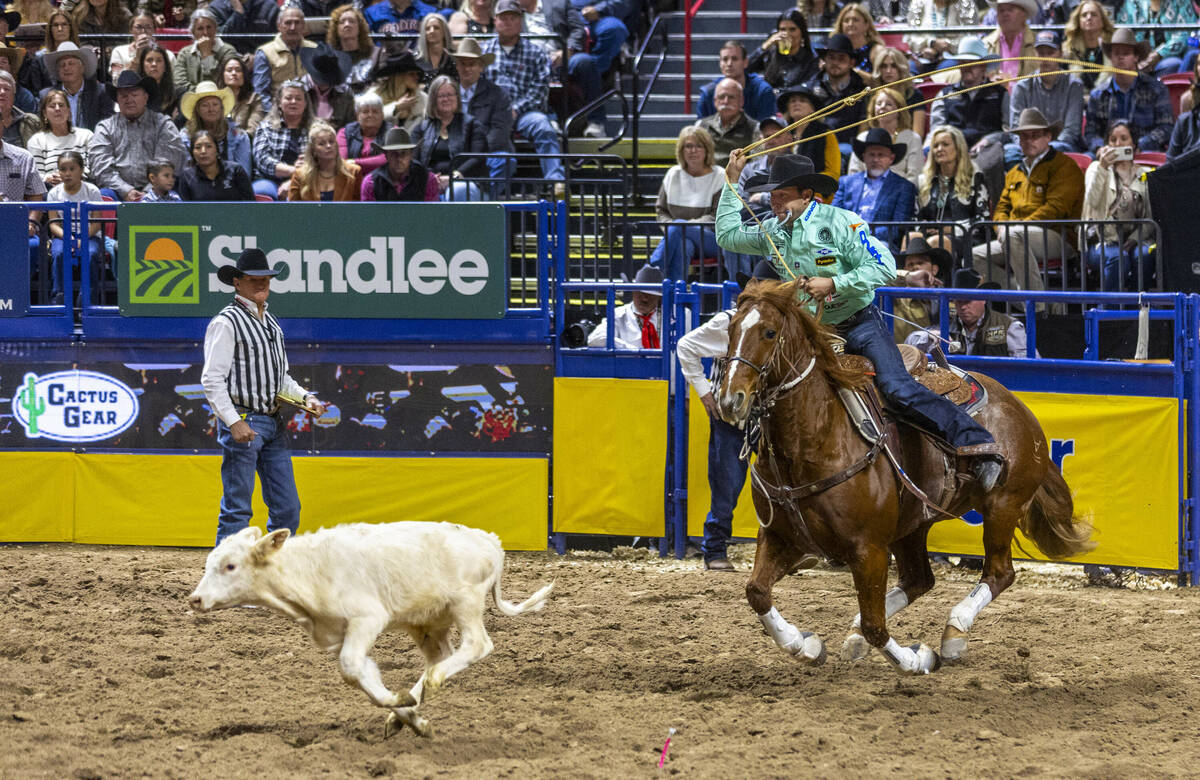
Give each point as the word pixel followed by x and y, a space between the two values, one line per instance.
pixel 1051 522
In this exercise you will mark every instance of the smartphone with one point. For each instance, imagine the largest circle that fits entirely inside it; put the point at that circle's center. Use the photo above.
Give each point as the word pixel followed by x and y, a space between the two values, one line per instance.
pixel 1124 152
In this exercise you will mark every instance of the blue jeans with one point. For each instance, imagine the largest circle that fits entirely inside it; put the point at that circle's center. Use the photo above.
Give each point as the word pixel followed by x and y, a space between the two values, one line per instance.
pixel 265 187
pixel 684 242
pixel 267 455
pixel 738 263
pixel 726 476
pixel 866 335
pixel 461 191
pixel 536 126
pixel 1135 268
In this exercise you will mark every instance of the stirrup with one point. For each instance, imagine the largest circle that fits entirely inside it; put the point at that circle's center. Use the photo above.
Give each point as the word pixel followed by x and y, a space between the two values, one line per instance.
pixel 986 448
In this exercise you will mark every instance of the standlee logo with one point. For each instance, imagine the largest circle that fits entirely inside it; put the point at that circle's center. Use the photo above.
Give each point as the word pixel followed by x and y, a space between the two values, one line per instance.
pixel 74 406
pixel 164 264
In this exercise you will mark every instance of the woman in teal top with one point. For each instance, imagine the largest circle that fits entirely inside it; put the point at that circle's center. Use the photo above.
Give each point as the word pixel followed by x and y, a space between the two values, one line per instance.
pixel 1172 53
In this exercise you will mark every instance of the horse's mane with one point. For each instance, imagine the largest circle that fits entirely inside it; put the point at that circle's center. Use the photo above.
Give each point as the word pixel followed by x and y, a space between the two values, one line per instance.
pixel 799 324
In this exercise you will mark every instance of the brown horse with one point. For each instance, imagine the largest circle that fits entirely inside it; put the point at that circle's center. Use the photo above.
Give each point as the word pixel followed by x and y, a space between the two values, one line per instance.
pixel 850 505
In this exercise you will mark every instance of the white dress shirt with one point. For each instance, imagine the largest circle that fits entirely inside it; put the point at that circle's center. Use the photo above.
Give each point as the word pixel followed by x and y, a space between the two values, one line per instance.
pixel 710 340
pixel 627 329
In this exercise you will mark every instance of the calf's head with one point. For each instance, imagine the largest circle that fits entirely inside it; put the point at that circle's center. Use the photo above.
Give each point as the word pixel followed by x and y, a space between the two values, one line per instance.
pixel 234 569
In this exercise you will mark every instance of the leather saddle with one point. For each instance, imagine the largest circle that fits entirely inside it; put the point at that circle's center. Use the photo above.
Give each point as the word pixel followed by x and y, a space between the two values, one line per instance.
pixel 934 373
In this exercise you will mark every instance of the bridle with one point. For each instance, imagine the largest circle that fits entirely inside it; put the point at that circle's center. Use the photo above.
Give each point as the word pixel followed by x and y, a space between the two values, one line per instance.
pixel 766 397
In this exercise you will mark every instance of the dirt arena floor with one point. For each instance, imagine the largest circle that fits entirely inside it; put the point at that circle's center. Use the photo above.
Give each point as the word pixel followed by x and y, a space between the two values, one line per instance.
pixel 104 672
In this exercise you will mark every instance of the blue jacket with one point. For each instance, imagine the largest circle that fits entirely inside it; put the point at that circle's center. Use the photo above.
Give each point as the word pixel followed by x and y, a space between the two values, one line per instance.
pixel 896 202
pixel 759 98
pixel 382 17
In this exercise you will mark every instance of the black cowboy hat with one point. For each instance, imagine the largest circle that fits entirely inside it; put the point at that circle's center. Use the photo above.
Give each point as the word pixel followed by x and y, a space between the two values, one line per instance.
pixel 803 90
pixel 648 274
pixel 396 139
pixel 795 170
pixel 394 60
pixel 837 43
pixel 877 136
pixel 130 78
pixel 919 246
pixel 763 270
pixel 252 262
pixel 326 66
pixel 969 279
pixel 13 18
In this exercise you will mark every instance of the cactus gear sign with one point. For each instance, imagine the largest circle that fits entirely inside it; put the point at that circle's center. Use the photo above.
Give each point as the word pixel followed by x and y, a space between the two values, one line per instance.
pixel 352 260
pixel 74 406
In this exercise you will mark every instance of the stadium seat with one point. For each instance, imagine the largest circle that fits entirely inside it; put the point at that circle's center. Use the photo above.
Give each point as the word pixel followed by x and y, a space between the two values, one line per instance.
pixel 1083 159
pixel 1152 159
pixel 1177 84
pixel 173 45
pixel 895 40
pixel 929 89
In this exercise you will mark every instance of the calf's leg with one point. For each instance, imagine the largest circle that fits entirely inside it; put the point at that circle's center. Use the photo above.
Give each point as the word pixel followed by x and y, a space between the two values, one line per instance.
pixel 475 646
pixel 435 644
pixel 358 669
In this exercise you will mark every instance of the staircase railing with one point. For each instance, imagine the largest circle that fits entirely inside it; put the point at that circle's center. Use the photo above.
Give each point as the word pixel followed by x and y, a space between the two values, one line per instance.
pixel 656 26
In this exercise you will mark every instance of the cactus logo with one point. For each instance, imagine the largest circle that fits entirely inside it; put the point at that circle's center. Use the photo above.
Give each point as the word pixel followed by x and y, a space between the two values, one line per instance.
pixel 164 264
pixel 74 406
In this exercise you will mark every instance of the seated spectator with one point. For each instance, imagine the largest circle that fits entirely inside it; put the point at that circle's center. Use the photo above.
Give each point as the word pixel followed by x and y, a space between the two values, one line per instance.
pixel 18 127
pixel 322 174
pixel 278 60
pixel 208 109
pixel 246 16
pixel 1185 136
pixel 327 71
pixel 837 80
pixel 1045 185
pixel 1088 28
pixel 1053 95
pixel 280 140
pixel 606 30
pixel 638 324
pixel 122 143
pixel 57 136
pixel 1170 49
pixel 979 113
pixel 142 27
pixel 1012 36
pixel 397 79
pixel 889 67
pixel 1141 99
pixel 899 127
pixel 402 178
pixel 397 17
pixel 878 194
pixel 152 63
pixel 687 203
pixel 1187 101
pixel 776 141
pixel 34 75
pixel 1115 189
pixel 201 59
pixel 348 32
pixel 584 69
pixel 730 127
pixel 435 49
pixel 786 58
pixel 801 101
pixel 22 182
pixel 855 23
pixel 11 60
pixel 173 14
pixel 818 14
pixel 929 48
pixel 97 17
pixel 71 188
pixel 248 109
pixel 356 138
pixel 30 12
pixel 485 102
pixel 924 266
pixel 161 188
pixel 473 17
pixel 975 328
pixel 757 95
pixel 951 189
pixel 75 71
pixel 208 178
pixel 522 70
pixel 446 133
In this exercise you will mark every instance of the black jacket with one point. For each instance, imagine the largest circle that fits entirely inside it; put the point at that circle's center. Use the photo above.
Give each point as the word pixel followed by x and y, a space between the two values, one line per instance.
pixel 784 71
pixel 466 135
pixel 845 115
pixel 491 108
pixel 231 184
pixel 95 104
pixel 977 113
pixel 260 17
pixel 954 210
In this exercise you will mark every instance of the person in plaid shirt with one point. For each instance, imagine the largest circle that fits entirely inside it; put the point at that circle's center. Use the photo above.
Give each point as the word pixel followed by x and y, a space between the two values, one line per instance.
pixel 522 70
pixel 1141 100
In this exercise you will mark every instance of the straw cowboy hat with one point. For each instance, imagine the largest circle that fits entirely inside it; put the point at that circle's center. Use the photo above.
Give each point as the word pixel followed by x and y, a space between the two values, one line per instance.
pixel 251 262
pixel 187 103
pixel 1032 119
pixel 68 49
pixel 1031 7
pixel 15 56
pixel 1123 36
pixel 396 140
pixel 468 49
pixel 795 170
pixel 877 136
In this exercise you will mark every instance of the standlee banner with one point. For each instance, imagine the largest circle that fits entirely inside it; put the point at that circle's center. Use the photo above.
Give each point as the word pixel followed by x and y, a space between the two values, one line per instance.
pixel 14 248
pixel 359 260
pixel 476 408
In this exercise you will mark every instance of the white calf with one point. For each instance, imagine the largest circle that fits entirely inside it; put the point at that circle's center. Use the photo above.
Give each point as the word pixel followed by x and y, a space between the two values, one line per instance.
pixel 346 585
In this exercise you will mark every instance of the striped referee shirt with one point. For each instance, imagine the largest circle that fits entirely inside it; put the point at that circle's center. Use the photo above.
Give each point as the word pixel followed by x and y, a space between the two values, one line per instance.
pixel 245 364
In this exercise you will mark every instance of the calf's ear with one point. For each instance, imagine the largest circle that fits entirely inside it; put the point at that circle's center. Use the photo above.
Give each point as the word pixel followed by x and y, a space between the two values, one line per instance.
pixel 269 545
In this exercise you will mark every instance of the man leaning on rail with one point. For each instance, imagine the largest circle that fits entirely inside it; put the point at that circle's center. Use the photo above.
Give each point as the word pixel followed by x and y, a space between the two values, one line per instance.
pixel 835 257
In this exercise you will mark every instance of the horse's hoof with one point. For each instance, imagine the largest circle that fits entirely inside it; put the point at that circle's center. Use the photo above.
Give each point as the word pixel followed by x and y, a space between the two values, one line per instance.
pixel 927 660
pixel 855 648
pixel 954 645
pixel 389 723
pixel 421 727
pixel 812 650
pixel 404 700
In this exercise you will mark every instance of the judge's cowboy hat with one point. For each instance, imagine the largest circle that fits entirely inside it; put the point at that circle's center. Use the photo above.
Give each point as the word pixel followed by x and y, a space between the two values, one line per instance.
pixel 325 65
pixel 795 170
pixel 1032 119
pixel 1030 7
pixel 397 139
pixel 187 103
pixel 468 49
pixel 252 262
pixel 129 79
pixel 68 49
pixel 877 136
pixel 1123 36
pixel 648 274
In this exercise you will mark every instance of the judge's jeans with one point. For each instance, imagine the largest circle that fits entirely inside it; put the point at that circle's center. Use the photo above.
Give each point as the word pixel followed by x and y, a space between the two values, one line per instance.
pixel 726 475
pixel 267 454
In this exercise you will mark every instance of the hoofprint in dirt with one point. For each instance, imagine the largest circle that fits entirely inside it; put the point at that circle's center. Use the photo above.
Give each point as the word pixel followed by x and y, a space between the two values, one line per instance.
pixel 104 672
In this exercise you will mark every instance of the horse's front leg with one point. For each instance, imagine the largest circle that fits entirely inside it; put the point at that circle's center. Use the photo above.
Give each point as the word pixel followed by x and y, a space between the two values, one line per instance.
pixel 916 578
pixel 774 558
pixel 870 580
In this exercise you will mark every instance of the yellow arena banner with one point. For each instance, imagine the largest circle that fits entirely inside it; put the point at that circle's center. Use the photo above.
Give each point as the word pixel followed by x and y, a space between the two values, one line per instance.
pixel 173 499
pixel 1124 477
pixel 610 456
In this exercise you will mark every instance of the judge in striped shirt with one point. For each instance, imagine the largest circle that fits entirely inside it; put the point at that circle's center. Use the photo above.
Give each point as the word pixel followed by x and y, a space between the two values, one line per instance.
pixel 245 369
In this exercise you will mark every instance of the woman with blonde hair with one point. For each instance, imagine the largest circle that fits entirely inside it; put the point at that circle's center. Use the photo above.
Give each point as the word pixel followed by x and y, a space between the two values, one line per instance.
pixel 687 204
pixel 474 17
pixel 435 49
pixel 322 174
pixel 951 189
pixel 889 66
pixel 397 79
pixel 348 31
pixel 1087 29
pixel 207 108
pixel 899 126
pixel 58 134
pixel 855 23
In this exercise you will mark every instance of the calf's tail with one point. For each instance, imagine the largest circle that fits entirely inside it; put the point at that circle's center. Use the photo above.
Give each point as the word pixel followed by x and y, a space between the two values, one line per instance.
pixel 532 604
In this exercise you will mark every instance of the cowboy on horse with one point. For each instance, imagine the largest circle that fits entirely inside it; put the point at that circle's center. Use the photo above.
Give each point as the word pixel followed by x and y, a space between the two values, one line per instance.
pixel 837 260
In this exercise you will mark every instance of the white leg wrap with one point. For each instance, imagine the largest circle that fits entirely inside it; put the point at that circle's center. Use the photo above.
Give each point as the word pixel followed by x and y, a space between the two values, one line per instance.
pixel 893 602
pixel 965 611
pixel 789 637
pixel 919 661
